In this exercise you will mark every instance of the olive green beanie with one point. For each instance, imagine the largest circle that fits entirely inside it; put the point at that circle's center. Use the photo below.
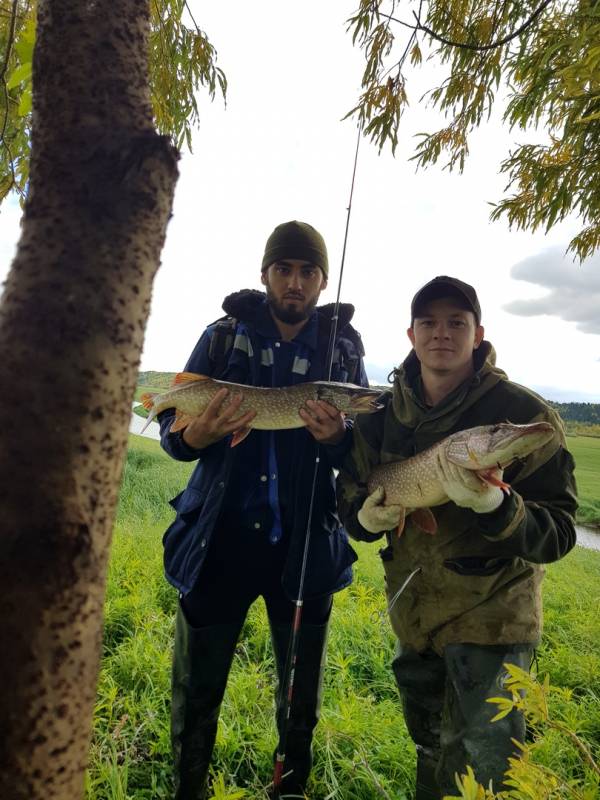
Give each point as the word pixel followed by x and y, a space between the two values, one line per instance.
pixel 296 240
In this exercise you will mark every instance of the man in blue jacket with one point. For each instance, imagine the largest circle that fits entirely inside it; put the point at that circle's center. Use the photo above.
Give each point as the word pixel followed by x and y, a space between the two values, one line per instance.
pixel 241 522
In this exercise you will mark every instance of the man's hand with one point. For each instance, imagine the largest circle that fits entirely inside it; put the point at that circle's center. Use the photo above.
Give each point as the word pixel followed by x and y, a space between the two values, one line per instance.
pixel 324 421
pixel 465 488
pixel 217 421
pixel 375 517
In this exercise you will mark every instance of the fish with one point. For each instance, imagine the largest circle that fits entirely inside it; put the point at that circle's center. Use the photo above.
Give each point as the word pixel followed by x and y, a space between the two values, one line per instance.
pixel 276 408
pixel 487 449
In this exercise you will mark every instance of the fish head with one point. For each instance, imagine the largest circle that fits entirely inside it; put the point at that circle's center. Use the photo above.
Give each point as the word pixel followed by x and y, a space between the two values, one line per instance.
pixel 496 445
pixel 349 398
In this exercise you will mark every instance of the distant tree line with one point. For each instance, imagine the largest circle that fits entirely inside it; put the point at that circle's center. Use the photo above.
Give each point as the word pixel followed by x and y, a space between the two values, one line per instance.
pixel 588 413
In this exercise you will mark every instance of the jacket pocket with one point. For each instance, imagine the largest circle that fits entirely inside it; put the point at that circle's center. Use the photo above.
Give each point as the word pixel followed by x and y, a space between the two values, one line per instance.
pixel 476 565
pixel 187 501
pixel 180 540
pixel 176 538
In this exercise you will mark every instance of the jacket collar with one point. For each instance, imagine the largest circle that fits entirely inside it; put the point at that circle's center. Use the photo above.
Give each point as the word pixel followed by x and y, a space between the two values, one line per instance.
pixel 407 397
pixel 250 306
pixel 245 305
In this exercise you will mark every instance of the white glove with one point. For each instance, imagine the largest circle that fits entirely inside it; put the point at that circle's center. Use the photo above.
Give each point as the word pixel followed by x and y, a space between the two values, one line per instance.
pixel 465 488
pixel 375 517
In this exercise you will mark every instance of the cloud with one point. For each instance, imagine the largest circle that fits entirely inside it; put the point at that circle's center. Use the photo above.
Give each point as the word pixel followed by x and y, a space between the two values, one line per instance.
pixel 573 289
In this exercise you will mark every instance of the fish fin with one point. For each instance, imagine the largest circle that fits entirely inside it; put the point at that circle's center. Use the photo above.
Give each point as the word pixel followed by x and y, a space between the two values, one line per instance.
pixel 189 377
pixel 180 422
pixel 239 436
pixel 147 400
pixel 401 522
pixel 424 519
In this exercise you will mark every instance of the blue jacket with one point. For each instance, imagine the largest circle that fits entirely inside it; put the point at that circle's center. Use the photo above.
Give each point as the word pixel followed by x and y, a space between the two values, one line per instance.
pixel 199 507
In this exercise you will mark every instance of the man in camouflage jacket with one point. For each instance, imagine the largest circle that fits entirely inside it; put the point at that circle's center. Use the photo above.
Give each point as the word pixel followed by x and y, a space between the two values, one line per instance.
pixel 472 601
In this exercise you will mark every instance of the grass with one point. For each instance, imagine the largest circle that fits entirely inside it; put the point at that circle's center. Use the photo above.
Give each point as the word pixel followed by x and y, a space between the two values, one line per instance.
pixel 362 750
pixel 586 452
pixel 150 480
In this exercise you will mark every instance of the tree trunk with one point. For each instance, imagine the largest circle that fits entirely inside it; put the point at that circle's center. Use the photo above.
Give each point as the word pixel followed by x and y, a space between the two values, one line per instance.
pixel 72 323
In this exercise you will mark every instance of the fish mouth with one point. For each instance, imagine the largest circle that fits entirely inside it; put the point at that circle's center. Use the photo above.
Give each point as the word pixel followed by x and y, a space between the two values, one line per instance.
pixel 524 440
pixel 366 402
pixel 536 427
pixel 497 445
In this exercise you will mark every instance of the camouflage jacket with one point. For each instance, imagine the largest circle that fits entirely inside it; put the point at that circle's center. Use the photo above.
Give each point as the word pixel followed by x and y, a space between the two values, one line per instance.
pixel 478 579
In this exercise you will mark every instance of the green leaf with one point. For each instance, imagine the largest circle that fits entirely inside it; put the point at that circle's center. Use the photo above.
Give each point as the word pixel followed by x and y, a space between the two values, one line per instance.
pixel 24 44
pixel 25 103
pixel 589 118
pixel 20 74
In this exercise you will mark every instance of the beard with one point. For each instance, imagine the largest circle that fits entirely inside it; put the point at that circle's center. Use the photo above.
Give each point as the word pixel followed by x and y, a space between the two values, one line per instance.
pixel 290 315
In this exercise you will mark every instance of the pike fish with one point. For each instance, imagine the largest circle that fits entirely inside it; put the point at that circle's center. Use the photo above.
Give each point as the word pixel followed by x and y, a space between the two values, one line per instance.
pixel 276 408
pixel 487 449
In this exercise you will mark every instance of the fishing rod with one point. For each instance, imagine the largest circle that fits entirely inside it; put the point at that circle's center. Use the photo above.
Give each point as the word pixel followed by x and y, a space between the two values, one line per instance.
pixel 286 693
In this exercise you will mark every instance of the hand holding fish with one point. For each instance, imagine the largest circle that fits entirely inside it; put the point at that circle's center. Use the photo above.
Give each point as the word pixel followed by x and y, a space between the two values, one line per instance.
pixel 375 517
pixel 264 408
pixel 217 421
pixel 441 473
pixel 323 421
pixel 465 488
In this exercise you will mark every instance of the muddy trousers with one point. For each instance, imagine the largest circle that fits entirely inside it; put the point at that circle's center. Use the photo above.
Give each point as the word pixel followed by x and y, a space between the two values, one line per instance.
pixel 201 664
pixel 446 713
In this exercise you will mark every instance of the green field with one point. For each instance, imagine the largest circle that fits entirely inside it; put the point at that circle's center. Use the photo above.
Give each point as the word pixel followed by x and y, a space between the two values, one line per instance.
pixel 362 751
pixel 586 452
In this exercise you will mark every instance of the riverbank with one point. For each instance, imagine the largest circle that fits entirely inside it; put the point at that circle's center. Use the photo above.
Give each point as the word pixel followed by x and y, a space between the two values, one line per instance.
pixel 362 749
pixel 588 537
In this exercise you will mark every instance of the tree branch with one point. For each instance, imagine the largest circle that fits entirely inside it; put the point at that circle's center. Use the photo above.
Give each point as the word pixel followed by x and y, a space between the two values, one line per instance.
pixel 9 44
pixel 189 10
pixel 465 45
pixel 11 36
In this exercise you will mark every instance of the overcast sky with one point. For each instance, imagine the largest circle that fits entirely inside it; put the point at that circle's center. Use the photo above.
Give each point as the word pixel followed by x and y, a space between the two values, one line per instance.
pixel 280 151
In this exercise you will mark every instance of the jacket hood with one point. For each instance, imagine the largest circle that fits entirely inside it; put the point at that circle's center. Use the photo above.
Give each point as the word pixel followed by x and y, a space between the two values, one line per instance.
pixel 410 409
pixel 245 304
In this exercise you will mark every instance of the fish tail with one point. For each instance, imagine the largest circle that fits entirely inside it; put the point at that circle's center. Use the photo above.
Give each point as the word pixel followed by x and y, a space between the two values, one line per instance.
pixel 147 401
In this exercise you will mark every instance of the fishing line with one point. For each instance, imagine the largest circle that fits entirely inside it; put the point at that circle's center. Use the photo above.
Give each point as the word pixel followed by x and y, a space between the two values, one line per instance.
pixel 402 588
pixel 287 683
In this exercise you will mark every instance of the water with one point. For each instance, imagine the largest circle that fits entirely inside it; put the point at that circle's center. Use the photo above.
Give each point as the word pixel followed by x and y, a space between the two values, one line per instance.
pixel 137 423
pixel 588 537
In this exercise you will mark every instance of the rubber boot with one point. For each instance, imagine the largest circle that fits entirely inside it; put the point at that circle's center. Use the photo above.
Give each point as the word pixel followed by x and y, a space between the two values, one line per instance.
pixel 306 702
pixel 421 681
pixel 426 787
pixel 201 663
pixel 468 736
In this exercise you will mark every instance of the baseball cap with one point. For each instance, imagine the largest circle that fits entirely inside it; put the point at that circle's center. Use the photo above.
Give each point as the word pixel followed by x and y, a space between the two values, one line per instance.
pixel 445 286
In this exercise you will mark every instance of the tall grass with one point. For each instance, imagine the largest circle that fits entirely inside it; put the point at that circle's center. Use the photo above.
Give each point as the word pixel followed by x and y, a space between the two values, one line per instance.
pixel 362 750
